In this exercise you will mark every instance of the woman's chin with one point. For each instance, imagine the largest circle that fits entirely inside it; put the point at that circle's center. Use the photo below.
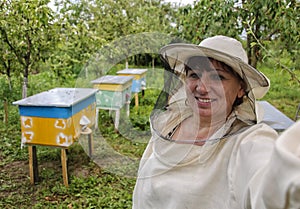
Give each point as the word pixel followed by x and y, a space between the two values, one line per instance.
pixel 208 114
pixel 204 113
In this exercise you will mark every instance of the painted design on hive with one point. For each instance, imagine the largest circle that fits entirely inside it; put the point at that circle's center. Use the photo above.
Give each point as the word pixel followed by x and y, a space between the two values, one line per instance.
pixel 69 122
pixel 60 124
pixel 27 136
pixel 63 140
pixel 27 122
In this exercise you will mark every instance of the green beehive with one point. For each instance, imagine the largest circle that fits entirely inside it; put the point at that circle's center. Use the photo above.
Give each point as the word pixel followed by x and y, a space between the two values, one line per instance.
pixel 114 91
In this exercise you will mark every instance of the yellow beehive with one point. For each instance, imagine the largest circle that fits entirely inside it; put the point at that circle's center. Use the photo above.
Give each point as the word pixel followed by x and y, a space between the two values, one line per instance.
pixel 139 80
pixel 54 117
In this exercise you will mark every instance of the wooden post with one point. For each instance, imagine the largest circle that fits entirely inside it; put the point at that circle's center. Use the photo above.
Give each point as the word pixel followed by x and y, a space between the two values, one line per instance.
pixel 33 165
pixel 127 104
pixel 90 142
pixel 64 166
pixel 117 120
pixel 97 118
pixel 136 96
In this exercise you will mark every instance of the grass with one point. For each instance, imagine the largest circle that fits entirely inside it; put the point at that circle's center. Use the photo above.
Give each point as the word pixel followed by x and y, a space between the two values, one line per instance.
pixel 284 92
pixel 107 180
pixel 91 186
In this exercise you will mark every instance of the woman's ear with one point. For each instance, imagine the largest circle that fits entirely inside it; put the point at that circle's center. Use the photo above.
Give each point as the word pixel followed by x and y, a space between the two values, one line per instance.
pixel 241 91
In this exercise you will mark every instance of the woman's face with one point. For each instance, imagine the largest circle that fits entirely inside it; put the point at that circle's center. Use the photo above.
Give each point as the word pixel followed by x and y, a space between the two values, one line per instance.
pixel 212 88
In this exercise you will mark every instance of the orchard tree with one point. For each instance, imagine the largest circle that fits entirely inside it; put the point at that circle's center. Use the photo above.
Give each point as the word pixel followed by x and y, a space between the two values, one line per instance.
pixel 207 18
pixel 25 32
pixel 261 22
pixel 78 39
pixel 90 25
pixel 269 21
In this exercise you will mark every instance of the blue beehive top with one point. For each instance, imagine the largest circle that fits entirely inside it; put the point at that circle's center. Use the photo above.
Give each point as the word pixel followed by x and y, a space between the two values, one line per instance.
pixel 57 102
pixel 132 71
pixel 57 97
pixel 111 79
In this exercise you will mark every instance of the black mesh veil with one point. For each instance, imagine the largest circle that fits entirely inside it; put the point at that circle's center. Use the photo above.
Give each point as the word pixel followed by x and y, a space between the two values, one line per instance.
pixel 171 85
pixel 244 111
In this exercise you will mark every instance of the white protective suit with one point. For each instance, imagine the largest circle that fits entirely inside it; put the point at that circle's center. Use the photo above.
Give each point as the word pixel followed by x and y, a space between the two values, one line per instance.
pixel 248 168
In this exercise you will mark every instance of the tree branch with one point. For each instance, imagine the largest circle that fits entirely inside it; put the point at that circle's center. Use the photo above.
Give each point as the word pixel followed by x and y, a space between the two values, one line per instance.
pixel 10 45
pixel 292 74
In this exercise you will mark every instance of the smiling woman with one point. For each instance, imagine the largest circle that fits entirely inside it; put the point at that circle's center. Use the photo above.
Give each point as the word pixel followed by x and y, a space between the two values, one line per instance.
pixel 212 91
pixel 207 149
pixel 205 80
pixel 213 85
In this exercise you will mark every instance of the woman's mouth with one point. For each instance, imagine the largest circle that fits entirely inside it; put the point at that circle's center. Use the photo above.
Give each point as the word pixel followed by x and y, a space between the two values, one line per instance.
pixel 204 102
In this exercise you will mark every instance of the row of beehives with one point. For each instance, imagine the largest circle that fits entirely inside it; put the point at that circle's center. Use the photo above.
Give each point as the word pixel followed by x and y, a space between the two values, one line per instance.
pixel 58 116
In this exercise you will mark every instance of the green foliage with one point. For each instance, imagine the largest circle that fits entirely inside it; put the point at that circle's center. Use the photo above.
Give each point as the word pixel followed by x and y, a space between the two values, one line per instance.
pixel 207 18
pixel 9 89
pixel 263 22
pixel 48 80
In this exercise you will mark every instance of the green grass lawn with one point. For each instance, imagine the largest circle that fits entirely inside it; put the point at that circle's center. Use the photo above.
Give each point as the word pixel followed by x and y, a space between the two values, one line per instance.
pixel 284 92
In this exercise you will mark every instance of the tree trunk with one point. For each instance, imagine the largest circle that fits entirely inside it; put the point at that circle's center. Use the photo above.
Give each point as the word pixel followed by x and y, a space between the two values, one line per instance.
pixel 126 63
pixel 25 83
pixel 5 112
pixel 153 62
pixel 24 87
pixel 248 49
pixel 255 56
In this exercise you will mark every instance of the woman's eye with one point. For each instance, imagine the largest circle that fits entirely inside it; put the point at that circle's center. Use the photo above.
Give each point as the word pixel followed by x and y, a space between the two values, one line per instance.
pixel 194 75
pixel 217 77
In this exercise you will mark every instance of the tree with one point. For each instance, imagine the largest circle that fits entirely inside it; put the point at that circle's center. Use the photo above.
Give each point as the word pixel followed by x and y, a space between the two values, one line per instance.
pixel 90 25
pixel 267 21
pixel 270 24
pixel 261 23
pixel 206 18
pixel 25 31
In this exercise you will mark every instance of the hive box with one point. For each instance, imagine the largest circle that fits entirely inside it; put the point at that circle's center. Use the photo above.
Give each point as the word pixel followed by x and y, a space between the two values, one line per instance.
pixel 114 91
pixel 53 117
pixel 139 80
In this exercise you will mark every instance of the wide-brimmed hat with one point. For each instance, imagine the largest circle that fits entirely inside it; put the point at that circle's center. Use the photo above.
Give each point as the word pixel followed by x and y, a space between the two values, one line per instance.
pixel 222 48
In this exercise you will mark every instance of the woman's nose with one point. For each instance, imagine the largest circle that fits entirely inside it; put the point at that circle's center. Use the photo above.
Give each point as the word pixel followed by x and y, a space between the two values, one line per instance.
pixel 203 85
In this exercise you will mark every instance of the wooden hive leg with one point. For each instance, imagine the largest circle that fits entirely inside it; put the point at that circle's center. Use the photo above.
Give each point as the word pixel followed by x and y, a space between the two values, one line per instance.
pixel 97 118
pixel 127 104
pixel 90 141
pixel 33 165
pixel 117 120
pixel 64 166
pixel 136 96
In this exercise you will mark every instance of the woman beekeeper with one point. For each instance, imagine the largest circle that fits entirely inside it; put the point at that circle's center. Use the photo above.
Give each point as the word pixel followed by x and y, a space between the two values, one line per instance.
pixel 208 149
